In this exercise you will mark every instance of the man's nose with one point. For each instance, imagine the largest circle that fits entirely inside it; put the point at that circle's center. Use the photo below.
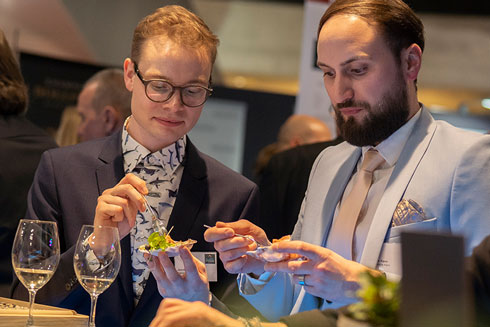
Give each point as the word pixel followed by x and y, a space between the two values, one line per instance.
pixel 343 90
pixel 175 100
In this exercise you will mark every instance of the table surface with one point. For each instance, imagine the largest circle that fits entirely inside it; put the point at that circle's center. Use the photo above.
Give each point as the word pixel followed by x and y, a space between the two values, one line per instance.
pixel 13 313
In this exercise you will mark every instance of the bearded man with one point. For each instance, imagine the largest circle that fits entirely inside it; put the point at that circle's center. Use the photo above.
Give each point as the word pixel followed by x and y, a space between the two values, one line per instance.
pixel 398 170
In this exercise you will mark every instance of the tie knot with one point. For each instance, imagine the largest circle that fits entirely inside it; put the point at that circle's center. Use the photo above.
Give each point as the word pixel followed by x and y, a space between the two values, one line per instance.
pixel 372 160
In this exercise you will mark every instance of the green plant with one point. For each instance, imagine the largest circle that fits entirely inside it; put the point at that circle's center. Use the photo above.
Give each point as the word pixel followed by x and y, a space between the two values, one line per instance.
pixel 379 301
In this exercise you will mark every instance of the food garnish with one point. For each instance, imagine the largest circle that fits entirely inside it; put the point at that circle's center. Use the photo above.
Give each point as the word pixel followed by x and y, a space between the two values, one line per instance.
pixel 158 243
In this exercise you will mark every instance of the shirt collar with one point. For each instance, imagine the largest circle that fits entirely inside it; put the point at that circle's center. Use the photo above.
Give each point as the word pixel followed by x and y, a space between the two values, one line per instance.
pixel 391 148
pixel 169 158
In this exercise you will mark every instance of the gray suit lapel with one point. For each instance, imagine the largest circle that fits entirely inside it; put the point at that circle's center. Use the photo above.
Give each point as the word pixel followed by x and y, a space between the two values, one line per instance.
pixel 406 166
pixel 322 201
pixel 109 172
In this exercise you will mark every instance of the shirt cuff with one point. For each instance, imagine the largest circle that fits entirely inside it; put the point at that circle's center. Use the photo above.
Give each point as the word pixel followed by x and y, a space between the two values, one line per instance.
pixel 249 285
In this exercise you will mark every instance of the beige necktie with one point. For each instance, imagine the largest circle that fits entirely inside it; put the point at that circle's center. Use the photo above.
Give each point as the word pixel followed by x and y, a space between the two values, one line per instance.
pixel 340 238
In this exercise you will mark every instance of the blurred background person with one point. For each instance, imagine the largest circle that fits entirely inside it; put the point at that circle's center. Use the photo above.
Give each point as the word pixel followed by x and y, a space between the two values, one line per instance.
pixel 283 185
pixel 67 132
pixel 284 178
pixel 21 146
pixel 296 130
pixel 103 104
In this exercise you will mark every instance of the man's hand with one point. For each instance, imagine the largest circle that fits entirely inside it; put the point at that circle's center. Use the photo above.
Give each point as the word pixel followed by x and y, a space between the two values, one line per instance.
pixel 326 274
pixel 178 313
pixel 232 248
pixel 118 206
pixel 192 286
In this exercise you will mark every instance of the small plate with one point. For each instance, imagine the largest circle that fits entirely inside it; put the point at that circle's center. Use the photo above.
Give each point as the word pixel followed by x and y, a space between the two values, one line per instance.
pixel 265 253
pixel 172 251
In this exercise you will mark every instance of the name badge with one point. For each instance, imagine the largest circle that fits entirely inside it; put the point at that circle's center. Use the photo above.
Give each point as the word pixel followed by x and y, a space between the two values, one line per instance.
pixel 390 260
pixel 208 258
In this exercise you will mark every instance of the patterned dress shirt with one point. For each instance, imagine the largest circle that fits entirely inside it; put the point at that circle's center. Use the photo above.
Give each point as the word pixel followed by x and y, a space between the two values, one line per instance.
pixel 162 171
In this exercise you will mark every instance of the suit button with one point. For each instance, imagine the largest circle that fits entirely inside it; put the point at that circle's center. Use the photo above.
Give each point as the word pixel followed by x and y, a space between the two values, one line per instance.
pixel 68 286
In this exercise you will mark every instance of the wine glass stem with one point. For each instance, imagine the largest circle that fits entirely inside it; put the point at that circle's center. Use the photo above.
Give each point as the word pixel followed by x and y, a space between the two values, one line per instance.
pixel 93 303
pixel 32 297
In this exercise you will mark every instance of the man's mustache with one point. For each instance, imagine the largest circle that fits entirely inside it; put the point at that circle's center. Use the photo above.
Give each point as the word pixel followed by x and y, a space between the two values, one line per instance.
pixel 352 103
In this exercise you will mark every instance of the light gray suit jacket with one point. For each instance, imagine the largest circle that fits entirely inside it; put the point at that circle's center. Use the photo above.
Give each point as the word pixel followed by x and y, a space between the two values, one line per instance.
pixel 444 169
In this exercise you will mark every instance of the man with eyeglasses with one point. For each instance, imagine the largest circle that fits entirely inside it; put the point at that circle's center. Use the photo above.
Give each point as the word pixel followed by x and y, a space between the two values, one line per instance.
pixel 168 75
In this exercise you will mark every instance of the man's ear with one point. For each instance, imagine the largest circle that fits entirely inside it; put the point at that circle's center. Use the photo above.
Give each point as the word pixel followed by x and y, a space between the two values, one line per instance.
pixel 412 61
pixel 111 119
pixel 129 74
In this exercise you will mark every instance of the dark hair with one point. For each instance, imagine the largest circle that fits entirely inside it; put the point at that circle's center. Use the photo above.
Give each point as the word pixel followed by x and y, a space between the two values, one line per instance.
pixel 111 90
pixel 13 91
pixel 179 25
pixel 396 21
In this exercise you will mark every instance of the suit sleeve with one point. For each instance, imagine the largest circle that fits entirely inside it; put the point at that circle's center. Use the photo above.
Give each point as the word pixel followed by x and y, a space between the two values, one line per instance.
pixel 312 318
pixel 250 210
pixel 43 204
pixel 269 201
pixel 470 203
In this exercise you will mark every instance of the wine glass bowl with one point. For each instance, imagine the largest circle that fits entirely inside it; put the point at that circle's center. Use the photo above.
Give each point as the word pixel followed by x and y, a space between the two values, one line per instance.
pixel 35 256
pixel 96 261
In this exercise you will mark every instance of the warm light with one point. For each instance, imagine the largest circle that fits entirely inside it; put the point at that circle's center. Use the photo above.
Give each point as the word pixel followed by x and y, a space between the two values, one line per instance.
pixel 485 103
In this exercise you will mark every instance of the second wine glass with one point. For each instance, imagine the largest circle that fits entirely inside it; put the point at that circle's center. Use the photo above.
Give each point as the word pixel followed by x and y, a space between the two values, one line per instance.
pixel 97 260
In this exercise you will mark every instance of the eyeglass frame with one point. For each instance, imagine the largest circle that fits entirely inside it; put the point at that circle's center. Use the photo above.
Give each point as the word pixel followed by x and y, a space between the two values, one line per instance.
pixel 146 82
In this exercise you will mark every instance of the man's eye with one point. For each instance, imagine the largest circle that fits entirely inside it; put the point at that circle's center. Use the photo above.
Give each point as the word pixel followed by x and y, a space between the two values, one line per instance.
pixel 358 71
pixel 194 91
pixel 160 86
pixel 328 74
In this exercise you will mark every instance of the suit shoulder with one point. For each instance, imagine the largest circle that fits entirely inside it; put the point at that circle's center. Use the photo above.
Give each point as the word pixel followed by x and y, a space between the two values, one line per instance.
pixel 455 140
pixel 216 169
pixel 89 149
pixel 336 151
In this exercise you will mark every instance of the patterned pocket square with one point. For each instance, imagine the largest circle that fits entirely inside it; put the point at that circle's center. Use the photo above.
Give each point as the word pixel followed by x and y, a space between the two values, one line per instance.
pixel 407 212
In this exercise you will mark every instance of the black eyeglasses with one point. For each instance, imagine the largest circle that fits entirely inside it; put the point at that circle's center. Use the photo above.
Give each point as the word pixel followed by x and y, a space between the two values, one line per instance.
pixel 159 90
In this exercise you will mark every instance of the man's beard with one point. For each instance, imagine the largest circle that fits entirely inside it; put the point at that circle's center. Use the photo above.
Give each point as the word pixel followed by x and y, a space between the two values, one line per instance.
pixel 389 115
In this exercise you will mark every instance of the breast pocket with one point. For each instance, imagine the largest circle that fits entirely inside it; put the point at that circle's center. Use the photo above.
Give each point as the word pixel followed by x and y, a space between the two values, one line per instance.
pixel 394 233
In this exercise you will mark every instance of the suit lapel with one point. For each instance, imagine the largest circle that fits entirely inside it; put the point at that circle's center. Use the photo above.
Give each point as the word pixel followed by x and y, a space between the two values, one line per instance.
pixel 192 189
pixel 406 166
pixel 327 199
pixel 109 172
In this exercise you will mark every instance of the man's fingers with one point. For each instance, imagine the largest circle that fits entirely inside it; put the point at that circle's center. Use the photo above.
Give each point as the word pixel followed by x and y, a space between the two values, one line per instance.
pixel 215 234
pixel 192 266
pixel 110 211
pixel 132 194
pixel 235 266
pixel 310 251
pixel 232 254
pixel 169 268
pixel 135 181
pixel 232 244
pixel 294 267
pixel 157 271
pixel 241 226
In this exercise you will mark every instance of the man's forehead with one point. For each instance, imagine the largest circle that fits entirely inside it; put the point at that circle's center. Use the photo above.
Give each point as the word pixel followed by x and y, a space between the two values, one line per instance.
pixel 347 38
pixel 164 46
pixel 348 28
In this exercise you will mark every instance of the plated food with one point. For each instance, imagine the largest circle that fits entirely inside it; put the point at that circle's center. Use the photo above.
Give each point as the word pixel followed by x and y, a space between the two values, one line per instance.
pixel 158 243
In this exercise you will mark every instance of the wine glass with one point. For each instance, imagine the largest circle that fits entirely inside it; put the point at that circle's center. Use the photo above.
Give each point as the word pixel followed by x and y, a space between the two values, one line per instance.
pixel 97 260
pixel 35 256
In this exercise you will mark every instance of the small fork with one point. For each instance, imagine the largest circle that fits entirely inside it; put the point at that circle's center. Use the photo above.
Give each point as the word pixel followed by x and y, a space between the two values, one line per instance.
pixel 155 222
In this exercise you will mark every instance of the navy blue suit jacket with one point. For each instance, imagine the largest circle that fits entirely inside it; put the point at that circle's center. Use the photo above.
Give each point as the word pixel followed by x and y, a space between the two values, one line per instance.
pixel 65 189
